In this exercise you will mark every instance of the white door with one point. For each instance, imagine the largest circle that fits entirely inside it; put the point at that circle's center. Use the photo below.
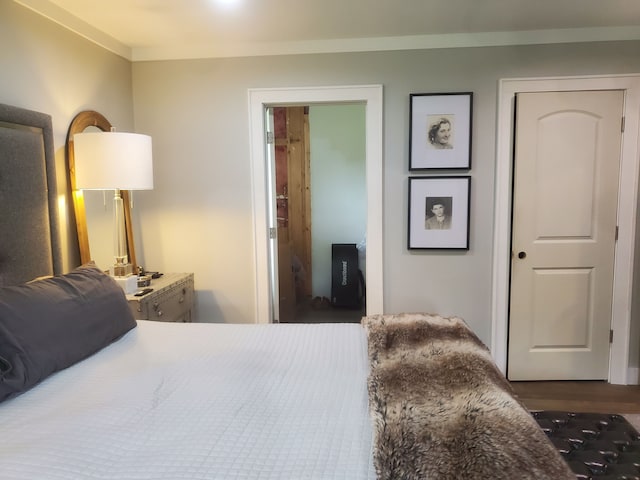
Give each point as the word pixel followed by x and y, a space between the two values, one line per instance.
pixel 567 158
pixel 272 222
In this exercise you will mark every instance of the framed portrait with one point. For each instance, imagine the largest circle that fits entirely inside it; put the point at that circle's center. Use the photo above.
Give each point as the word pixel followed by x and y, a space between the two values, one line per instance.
pixel 439 212
pixel 440 131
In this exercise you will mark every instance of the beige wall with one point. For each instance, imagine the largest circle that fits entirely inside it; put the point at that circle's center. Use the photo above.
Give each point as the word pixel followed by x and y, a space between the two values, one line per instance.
pixel 199 218
pixel 47 68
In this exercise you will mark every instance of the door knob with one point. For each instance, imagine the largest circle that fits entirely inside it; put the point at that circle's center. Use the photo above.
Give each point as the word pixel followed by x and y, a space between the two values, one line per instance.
pixel 522 255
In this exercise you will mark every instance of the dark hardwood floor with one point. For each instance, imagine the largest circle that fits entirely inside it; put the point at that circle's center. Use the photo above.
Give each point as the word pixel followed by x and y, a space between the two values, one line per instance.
pixel 312 311
pixel 583 396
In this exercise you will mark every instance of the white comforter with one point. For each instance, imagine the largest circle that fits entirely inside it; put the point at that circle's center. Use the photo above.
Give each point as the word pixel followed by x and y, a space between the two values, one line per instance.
pixel 200 401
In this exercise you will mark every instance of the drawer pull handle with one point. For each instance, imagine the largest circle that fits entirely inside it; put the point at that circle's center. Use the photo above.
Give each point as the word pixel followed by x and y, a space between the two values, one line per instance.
pixel 181 300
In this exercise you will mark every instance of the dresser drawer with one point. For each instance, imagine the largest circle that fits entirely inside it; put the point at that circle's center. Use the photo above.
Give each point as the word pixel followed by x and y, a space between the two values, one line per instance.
pixel 170 301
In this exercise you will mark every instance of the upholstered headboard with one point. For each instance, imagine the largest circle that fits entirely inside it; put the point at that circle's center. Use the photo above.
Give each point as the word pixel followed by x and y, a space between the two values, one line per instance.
pixel 29 236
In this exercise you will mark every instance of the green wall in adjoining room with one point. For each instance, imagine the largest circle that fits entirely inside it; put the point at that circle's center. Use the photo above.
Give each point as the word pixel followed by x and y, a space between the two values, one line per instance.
pixel 338 185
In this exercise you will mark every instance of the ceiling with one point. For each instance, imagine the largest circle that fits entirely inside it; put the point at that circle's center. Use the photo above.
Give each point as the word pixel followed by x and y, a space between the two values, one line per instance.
pixel 171 29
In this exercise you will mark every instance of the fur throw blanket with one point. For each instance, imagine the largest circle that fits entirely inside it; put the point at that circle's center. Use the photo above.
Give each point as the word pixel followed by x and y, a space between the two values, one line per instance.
pixel 441 409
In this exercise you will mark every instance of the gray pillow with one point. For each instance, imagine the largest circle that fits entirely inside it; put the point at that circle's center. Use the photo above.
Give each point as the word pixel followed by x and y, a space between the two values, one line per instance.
pixel 50 324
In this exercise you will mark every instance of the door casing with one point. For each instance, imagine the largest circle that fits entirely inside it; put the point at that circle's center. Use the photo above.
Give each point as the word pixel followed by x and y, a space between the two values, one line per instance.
pixel 564 201
pixel 259 100
pixel 619 371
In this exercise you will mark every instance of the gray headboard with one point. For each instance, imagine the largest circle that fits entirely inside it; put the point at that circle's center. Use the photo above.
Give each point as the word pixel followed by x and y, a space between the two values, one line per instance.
pixel 29 236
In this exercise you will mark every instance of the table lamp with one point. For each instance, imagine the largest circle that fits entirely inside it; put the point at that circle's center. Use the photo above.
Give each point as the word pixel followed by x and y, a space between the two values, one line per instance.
pixel 115 161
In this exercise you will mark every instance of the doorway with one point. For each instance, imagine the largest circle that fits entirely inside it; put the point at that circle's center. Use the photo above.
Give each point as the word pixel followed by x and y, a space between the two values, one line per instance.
pixel 318 153
pixel 619 367
pixel 290 155
pixel 264 240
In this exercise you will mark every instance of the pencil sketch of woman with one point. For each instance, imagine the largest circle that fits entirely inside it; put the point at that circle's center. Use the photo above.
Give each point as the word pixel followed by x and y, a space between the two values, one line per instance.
pixel 440 133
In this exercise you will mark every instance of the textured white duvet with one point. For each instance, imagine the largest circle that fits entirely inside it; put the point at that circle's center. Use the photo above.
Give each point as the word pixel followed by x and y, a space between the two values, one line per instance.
pixel 200 401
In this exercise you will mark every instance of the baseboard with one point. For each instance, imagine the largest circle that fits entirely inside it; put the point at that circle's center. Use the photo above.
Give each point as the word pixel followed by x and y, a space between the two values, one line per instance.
pixel 633 376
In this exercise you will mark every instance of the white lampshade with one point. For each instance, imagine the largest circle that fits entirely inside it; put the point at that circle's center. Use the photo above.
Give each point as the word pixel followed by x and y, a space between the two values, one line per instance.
pixel 113 160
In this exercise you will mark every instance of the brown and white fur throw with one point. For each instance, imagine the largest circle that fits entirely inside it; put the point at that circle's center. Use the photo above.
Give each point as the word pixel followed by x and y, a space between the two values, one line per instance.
pixel 442 410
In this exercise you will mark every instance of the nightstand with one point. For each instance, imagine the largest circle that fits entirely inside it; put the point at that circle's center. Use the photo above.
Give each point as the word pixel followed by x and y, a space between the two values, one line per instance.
pixel 170 301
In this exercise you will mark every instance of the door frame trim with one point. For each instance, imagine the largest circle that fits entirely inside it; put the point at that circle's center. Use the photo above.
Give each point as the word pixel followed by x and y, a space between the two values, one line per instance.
pixel 619 371
pixel 259 100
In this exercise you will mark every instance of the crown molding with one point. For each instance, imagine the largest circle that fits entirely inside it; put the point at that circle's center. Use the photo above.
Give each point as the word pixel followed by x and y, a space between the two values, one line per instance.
pixel 373 44
pixel 79 27
pixel 413 42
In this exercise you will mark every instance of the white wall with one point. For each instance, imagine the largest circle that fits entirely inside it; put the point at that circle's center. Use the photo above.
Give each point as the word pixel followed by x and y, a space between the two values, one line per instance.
pixel 46 68
pixel 199 216
pixel 338 185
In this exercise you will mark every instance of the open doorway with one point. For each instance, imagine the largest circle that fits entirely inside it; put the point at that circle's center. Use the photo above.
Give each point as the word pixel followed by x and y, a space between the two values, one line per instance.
pixel 264 239
pixel 318 153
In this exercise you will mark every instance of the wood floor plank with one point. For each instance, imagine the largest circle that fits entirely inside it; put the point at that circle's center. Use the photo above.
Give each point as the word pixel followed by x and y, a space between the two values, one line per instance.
pixel 583 396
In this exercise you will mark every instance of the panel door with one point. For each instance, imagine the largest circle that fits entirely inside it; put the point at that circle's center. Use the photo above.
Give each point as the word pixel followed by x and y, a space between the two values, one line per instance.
pixel 567 157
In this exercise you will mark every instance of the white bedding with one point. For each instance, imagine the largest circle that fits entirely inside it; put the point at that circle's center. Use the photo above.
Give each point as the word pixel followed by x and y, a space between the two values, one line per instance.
pixel 200 401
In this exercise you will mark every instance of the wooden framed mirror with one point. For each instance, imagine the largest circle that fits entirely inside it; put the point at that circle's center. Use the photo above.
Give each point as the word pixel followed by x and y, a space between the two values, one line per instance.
pixel 80 123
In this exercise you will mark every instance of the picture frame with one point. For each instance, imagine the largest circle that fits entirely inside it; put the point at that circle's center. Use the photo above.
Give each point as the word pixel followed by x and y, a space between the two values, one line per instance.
pixel 439 212
pixel 440 131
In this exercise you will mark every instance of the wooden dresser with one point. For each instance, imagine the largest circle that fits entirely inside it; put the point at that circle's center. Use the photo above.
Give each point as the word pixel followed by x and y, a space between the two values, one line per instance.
pixel 170 301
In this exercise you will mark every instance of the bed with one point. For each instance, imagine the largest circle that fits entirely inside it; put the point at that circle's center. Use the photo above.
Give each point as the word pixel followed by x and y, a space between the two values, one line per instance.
pixel 223 401
pixel 87 392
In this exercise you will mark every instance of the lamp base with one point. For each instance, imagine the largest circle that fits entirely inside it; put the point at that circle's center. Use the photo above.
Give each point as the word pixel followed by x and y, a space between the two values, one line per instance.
pixel 121 269
pixel 128 283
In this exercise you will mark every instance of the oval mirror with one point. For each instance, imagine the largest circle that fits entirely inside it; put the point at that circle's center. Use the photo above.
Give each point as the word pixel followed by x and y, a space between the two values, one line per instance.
pixel 87 121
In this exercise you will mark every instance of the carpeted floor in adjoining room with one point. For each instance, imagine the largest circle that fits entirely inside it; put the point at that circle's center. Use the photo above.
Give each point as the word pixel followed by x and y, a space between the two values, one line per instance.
pixel 320 310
